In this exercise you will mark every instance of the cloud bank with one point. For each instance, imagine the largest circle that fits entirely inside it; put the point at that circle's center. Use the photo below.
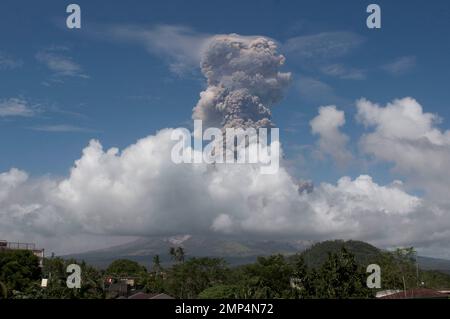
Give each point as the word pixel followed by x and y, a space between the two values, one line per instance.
pixel 139 191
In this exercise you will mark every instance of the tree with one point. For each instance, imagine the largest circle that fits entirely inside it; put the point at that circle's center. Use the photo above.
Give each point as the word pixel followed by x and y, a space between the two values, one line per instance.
pixel 398 269
pixel 341 277
pixel 188 279
pixel 177 254
pixel 92 285
pixel 172 252
pixel 154 281
pixel 303 280
pixel 220 292
pixel 18 269
pixel 180 253
pixel 269 277
pixel 125 267
pixel 3 291
pixel 156 264
pixel 54 270
pixel 405 259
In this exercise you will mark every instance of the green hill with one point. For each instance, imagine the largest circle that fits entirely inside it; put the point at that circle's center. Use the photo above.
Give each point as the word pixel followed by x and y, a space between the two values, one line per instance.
pixel 432 272
pixel 364 253
pixel 240 251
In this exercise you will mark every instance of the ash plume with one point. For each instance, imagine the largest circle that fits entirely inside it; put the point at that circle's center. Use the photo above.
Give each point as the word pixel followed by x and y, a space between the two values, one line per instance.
pixel 243 80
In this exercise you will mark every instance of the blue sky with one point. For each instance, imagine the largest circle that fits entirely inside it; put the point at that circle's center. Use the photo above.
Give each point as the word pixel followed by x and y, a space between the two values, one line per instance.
pixel 131 93
pixel 134 69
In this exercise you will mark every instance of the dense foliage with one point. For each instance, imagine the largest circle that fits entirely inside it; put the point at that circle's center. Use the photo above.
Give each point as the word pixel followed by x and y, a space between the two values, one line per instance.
pixel 327 270
pixel 317 254
pixel 125 267
pixel 18 270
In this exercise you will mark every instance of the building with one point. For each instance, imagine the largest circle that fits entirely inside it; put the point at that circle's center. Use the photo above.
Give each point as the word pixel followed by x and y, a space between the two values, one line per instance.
pixel 5 245
pixel 120 285
pixel 120 289
pixel 417 293
pixel 142 295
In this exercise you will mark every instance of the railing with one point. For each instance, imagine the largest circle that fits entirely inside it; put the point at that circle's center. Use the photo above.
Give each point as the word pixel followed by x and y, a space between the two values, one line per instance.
pixel 13 245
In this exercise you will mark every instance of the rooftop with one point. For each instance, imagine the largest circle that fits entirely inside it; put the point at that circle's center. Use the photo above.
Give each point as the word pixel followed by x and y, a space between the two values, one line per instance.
pixel 416 293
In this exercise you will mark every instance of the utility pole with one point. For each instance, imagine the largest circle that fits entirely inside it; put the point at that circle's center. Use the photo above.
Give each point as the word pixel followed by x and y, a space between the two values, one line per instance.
pixel 404 285
pixel 417 269
pixel 417 273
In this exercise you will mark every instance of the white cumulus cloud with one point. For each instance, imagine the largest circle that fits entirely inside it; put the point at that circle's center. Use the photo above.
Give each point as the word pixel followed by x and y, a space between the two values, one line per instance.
pixel 331 140
pixel 139 191
pixel 403 134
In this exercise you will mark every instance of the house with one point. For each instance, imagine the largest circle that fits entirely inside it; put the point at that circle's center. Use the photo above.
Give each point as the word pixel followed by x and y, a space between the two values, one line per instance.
pixel 161 296
pixel 142 295
pixel 118 289
pixel 417 293
pixel 5 245
pixel 119 286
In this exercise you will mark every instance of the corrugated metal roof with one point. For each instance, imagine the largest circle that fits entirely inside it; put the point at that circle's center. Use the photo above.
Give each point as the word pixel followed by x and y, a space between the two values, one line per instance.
pixel 416 293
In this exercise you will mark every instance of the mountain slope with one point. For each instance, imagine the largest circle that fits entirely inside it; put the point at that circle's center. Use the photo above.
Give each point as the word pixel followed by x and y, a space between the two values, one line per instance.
pixel 429 263
pixel 232 250
pixel 239 251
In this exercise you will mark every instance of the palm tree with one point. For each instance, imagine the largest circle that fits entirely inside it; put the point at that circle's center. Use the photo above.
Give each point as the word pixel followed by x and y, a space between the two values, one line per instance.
pixel 172 253
pixel 180 254
pixel 156 264
pixel 177 254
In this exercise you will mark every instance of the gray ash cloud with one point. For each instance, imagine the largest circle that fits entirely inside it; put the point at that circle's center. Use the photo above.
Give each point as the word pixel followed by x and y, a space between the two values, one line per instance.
pixel 244 82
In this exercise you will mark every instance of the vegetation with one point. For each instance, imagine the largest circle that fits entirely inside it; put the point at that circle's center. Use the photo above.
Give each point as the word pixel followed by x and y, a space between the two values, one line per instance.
pixel 188 279
pixel 340 277
pixel 20 277
pixel 220 292
pixel 317 254
pixel 333 269
pixel 18 270
pixel 125 267
pixel 269 277
pixel 177 254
